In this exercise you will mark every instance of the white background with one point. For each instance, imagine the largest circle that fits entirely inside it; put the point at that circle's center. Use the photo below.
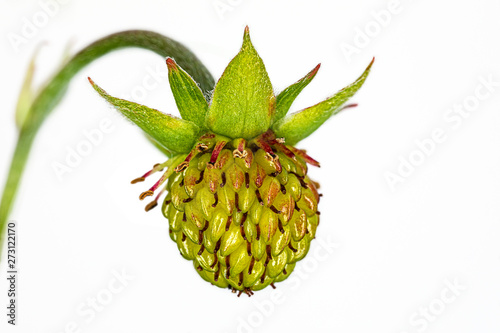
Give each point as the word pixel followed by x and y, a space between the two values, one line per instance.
pixel 397 248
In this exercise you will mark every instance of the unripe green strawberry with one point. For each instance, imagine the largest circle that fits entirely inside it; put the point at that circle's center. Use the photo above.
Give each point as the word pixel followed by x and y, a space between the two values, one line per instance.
pixel 242 226
pixel 239 201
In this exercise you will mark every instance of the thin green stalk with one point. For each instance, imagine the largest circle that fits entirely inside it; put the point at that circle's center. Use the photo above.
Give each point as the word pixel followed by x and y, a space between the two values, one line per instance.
pixel 54 91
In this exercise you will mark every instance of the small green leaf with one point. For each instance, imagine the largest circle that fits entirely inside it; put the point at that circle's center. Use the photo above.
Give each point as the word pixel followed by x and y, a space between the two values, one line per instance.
pixel 285 98
pixel 243 103
pixel 26 95
pixel 298 126
pixel 188 96
pixel 172 133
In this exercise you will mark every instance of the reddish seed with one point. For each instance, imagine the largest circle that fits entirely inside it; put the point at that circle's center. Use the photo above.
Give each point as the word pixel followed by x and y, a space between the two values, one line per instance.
pixel 247 180
pixel 229 221
pixel 250 268
pixel 216 197
pixel 201 177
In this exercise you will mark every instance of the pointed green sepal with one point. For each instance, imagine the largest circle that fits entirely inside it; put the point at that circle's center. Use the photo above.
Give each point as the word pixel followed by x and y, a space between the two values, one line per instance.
pixel 297 126
pixel 285 98
pixel 188 96
pixel 243 103
pixel 172 133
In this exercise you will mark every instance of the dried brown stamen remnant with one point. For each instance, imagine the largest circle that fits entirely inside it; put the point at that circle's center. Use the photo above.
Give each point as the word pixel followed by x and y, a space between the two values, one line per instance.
pixel 146 194
pixel 240 151
pixel 157 167
pixel 151 205
pixel 154 203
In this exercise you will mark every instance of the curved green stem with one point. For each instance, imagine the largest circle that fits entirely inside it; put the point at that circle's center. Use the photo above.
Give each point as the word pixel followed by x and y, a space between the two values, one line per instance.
pixel 53 92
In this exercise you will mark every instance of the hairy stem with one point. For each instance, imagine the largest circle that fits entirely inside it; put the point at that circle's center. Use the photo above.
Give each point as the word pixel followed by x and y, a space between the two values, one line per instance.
pixel 54 91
